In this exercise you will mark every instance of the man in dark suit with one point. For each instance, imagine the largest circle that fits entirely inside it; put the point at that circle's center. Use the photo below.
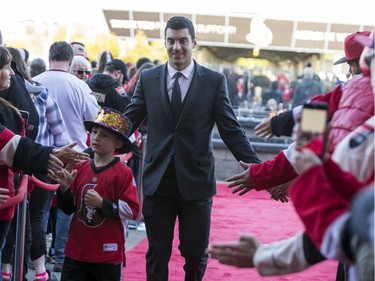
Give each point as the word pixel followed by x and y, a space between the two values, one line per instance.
pixel 178 176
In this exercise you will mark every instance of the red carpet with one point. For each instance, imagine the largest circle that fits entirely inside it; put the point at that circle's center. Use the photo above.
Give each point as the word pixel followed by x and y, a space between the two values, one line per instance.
pixel 232 215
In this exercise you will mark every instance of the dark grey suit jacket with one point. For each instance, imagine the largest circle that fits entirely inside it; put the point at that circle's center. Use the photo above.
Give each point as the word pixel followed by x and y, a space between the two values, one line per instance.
pixel 188 139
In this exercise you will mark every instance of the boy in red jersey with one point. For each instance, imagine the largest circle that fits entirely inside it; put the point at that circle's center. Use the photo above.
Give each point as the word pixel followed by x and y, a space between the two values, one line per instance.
pixel 102 195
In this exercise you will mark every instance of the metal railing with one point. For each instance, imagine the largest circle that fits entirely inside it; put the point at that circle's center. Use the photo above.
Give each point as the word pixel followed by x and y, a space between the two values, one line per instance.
pixel 20 199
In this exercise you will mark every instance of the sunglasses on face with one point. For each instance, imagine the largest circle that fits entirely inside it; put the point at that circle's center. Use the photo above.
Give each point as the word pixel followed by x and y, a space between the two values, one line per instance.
pixel 81 71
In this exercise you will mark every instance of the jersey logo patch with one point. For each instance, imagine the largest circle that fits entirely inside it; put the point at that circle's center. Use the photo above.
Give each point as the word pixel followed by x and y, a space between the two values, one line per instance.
pixel 99 96
pixel 89 215
pixel 121 91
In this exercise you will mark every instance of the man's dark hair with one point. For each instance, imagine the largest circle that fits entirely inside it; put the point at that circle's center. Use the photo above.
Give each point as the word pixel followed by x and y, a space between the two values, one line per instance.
pixel 180 22
pixel 61 51
pixel 141 61
pixel 37 66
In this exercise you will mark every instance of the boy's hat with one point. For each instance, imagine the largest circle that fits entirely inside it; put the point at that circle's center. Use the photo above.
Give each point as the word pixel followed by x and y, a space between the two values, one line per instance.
pixel 116 122
pixel 353 49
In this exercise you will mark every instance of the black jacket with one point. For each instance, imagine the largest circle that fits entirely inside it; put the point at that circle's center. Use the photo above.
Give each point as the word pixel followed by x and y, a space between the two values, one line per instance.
pixel 19 96
pixel 282 124
pixel 108 92
pixel 188 140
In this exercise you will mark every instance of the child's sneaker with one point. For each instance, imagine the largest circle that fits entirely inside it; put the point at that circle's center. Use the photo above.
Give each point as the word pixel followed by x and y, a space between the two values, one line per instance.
pixel 41 276
pixel 5 276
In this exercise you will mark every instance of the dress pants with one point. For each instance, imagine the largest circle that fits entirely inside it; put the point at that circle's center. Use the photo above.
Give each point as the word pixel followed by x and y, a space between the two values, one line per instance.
pixel 160 212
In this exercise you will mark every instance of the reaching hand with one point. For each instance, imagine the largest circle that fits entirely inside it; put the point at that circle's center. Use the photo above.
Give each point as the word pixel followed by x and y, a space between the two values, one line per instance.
pixel 65 179
pixel 70 156
pixel 241 181
pixel 4 195
pixel 264 128
pixel 238 253
pixel 280 193
pixel 304 160
pixel 54 166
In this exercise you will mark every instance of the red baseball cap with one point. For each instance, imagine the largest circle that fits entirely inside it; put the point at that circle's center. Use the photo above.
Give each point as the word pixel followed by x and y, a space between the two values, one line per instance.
pixel 353 49
pixel 368 41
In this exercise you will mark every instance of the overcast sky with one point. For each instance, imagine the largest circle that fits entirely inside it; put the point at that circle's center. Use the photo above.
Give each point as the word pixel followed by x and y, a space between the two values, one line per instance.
pixel 335 11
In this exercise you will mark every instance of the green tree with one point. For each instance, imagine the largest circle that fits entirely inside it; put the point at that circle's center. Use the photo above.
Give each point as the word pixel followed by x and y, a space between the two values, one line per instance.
pixel 141 47
pixel 101 43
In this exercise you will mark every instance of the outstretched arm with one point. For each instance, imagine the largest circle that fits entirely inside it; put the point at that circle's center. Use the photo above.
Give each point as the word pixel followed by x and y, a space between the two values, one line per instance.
pixel 237 253
pixel 242 181
pixel 26 155
pixel 269 174
pixel 286 256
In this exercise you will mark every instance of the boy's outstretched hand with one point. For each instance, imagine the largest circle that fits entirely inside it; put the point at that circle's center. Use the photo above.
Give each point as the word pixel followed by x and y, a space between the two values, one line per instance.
pixel 65 179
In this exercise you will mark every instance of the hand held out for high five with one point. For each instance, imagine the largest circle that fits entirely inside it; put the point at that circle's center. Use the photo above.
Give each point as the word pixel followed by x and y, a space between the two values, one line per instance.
pixel 238 253
pixel 241 181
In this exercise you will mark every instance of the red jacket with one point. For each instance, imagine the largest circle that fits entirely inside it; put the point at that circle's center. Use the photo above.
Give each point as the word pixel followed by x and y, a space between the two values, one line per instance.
pixel 319 204
pixel 6 174
pixel 354 108
pixel 24 155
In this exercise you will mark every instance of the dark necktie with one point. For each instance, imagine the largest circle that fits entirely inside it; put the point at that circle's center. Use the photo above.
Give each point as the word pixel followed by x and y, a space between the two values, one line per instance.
pixel 176 96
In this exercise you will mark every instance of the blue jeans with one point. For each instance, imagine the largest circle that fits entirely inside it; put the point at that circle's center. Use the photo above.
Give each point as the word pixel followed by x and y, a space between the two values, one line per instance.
pixel 62 231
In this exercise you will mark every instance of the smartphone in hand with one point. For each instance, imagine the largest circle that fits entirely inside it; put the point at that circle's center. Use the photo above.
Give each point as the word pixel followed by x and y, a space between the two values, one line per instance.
pixel 311 133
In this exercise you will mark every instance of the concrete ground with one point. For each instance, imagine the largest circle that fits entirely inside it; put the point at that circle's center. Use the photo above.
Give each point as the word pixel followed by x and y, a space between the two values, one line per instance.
pixel 135 236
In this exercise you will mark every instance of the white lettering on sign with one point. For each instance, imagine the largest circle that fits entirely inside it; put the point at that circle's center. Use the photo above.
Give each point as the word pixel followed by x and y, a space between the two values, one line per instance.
pixel 137 24
pixel 216 29
pixel 157 25
pixel 310 35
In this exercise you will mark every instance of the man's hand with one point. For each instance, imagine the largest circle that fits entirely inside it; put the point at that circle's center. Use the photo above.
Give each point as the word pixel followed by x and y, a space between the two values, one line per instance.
pixel 238 253
pixel 264 128
pixel 241 181
pixel 54 166
pixel 70 156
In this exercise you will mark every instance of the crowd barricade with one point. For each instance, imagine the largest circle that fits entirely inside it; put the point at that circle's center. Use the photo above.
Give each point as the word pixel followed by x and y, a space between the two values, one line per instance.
pixel 20 199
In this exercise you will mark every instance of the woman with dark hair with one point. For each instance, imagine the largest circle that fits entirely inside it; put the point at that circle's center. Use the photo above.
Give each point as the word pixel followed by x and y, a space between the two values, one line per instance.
pixel 11 117
pixel 51 132
pixel 104 57
pixel 19 152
